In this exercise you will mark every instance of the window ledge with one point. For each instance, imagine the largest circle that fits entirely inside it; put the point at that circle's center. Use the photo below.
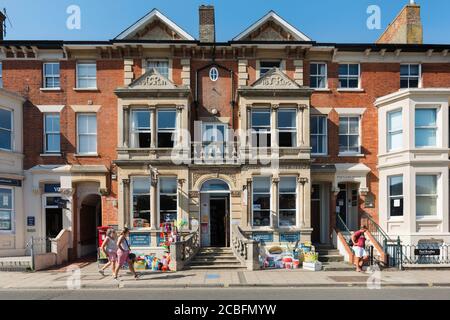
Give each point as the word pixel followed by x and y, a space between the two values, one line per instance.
pixel 358 155
pixel 86 155
pixel 350 90
pixel 50 155
pixel 428 219
pixel 319 155
pixel 51 89
pixel 321 89
pixel 85 89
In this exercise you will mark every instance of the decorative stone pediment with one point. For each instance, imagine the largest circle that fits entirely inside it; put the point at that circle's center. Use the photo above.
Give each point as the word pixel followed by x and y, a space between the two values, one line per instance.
pixel 152 79
pixel 275 79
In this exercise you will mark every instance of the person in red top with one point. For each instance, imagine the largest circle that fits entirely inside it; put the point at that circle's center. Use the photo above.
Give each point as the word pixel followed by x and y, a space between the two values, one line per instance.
pixel 359 247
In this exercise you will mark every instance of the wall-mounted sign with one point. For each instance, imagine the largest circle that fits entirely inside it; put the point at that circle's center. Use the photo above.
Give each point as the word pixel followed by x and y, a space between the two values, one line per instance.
pixel 263 237
pixel 289 237
pixel 31 221
pixel 10 182
pixel 140 240
pixel 427 252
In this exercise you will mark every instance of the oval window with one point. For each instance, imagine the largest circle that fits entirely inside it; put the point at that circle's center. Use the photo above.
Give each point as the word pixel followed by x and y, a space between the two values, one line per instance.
pixel 213 74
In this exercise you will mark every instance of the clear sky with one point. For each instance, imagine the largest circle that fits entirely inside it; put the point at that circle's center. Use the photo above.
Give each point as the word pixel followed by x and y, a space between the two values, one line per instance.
pixel 321 20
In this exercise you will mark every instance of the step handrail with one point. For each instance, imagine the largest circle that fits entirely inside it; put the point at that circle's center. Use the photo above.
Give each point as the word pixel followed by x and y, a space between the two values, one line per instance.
pixel 377 232
pixel 246 250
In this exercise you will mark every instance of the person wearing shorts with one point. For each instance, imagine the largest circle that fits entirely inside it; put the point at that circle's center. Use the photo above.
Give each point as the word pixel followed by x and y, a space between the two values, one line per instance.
pixel 359 248
pixel 109 248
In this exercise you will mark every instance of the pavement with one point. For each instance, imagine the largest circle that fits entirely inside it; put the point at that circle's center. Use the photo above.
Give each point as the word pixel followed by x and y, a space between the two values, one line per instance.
pixel 85 276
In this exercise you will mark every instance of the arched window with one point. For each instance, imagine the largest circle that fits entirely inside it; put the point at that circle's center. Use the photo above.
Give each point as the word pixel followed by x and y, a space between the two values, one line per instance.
pixel 215 185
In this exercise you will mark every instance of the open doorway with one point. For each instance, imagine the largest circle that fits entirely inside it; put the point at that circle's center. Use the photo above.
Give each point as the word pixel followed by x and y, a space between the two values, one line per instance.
pixel 219 221
pixel 90 219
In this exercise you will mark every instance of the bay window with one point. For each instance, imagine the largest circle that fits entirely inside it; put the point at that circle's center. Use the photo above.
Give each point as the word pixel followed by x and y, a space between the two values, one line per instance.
pixel 426 127
pixel 426 195
pixel 318 75
pixel 6 209
pixel 287 127
pixel 6 129
pixel 410 75
pixel 166 127
pixel 51 133
pixel 140 197
pixel 287 201
pixel 349 140
pixel 395 188
pixel 261 201
pixel 318 126
pixel 260 123
pixel 395 130
pixel 140 129
pixel 87 133
pixel 349 76
pixel 168 199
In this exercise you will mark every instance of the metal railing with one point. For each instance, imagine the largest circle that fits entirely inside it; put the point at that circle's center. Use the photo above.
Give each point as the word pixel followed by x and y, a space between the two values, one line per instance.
pixel 36 246
pixel 377 232
pixel 342 227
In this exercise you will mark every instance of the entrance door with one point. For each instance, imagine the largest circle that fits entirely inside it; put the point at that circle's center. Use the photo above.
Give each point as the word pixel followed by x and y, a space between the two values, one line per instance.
pixel 219 226
pixel 341 205
pixel 53 216
pixel 315 213
pixel 90 219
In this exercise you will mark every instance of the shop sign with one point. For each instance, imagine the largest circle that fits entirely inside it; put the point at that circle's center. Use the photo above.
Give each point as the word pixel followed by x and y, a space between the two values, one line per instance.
pixel 263 237
pixel 427 252
pixel 289 237
pixel 10 182
pixel 140 239
pixel 31 221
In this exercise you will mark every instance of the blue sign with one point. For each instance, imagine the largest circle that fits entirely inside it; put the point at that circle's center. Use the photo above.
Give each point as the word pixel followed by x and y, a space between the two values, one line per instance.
pixel 140 240
pixel 289 237
pixel 31 221
pixel 263 237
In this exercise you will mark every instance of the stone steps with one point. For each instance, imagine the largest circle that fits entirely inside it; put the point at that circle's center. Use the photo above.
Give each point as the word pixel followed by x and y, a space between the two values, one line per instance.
pixel 215 259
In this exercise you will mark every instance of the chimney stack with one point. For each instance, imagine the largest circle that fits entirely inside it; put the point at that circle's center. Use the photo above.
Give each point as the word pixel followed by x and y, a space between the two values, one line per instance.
pixel 2 25
pixel 406 27
pixel 207 24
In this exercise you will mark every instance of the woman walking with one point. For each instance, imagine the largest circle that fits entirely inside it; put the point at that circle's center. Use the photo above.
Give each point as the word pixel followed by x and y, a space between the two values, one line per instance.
pixel 359 247
pixel 109 248
pixel 124 254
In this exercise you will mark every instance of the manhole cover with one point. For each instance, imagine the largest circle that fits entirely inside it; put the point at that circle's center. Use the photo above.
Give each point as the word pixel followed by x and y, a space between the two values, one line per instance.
pixel 349 279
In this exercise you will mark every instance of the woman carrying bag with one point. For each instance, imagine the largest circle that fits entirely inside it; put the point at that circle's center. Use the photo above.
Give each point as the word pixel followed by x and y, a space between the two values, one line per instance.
pixel 124 254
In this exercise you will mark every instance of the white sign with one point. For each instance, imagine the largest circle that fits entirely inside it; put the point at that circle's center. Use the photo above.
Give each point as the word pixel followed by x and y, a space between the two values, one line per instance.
pixel 396 203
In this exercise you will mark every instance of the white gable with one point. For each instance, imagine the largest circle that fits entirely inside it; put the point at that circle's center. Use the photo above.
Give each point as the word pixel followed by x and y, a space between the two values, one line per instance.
pixel 294 33
pixel 150 18
pixel 275 79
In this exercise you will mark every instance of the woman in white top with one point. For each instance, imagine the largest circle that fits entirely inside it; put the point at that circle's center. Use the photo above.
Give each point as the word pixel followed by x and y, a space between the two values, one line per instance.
pixel 124 254
pixel 109 248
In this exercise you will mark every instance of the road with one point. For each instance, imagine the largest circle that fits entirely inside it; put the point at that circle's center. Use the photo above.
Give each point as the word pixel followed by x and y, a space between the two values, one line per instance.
pixel 232 294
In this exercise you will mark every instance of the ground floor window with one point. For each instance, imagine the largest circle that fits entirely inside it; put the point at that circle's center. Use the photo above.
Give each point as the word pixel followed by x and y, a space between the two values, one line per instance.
pixel 6 209
pixel 395 196
pixel 426 195
pixel 140 189
pixel 287 201
pixel 168 199
pixel 261 201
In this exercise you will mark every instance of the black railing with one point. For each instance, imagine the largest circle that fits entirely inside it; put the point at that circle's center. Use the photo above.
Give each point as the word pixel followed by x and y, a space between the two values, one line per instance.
pixel 423 254
pixel 377 232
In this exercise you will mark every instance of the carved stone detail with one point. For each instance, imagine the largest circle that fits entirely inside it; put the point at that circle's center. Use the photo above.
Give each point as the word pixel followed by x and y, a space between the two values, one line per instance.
pixel 152 79
pixel 275 79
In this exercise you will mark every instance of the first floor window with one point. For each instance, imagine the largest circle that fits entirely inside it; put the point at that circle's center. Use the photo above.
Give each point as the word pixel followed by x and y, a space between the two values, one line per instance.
pixel 395 196
pixel 162 66
pixel 166 128
pixel 409 75
pixel 52 133
pixel 395 130
pixel 349 76
pixel 140 197
pixel 6 209
pixel 318 75
pixel 6 120
pixel 426 195
pixel 318 134
pixel 349 135
pixel 140 129
pixel 86 75
pixel 287 201
pixel 260 123
pixel 1 75
pixel 168 199
pixel 261 201
pixel 51 75
pixel 426 127
pixel 287 128
pixel 265 66
pixel 87 133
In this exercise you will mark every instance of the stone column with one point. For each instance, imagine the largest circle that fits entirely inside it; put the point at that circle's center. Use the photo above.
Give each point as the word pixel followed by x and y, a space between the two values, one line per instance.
pixel 153 127
pixel 301 125
pixel 275 202
pixel 248 139
pixel 303 181
pixel 248 216
pixel 153 199
pixel 126 126
pixel 273 126
pixel 180 183
pixel 126 202
pixel 179 126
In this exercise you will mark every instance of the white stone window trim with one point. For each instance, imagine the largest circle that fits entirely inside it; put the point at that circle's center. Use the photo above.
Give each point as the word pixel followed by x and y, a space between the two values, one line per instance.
pixel 77 78
pixel 47 152
pixel 356 89
pixel 268 128
pixel 356 153
pixel 389 132
pixel 50 108
pixel 136 130
pixel 132 179
pixel 174 130
pixel 296 210
pixel 270 226
pixel 325 135
pixel 389 197
pixel 419 77
pixel 13 218
pixel 12 136
pixel 169 61
pixel 436 127
pixel 258 65
pixel 86 154
pixel 292 130
pixel 326 88
pixel 439 195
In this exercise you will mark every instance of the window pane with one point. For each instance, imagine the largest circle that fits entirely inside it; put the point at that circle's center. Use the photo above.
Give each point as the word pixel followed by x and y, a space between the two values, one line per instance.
pixel 425 117
pixel 414 70
pixel 166 119
pixel 395 121
pixel 353 125
pixel 425 137
pixel 426 206
pixel 426 185
pixel 343 144
pixel 343 125
pixel 313 68
pixel 396 207
pixel 5 119
pixel 5 139
pixel 288 184
pixel 287 119
pixel 141 119
pixel 353 69
pixel 287 139
pixel 141 185
pixel 260 118
pixel 353 83
pixel 168 185
pixel 141 202
pixel 396 186
pixel 5 199
pixel 52 142
pixel 343 69
pixel 261 184
pixel 162 66
pixel 165 140
pixel 287 218
pixel 395 141
pixel 404 70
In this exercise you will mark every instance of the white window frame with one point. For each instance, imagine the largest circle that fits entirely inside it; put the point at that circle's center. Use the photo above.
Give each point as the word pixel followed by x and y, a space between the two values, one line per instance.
pixel 436 196
pixel 46 151
pixel 319 75
pixel 351 153
pixel 293 130
pixel 169 66
pixel 11 131
pixel 390 132
pixel 296 202
pixel 134 131
pixel 132 179
pixel 45 76
pixel 435 127
pixel 321 135
pixel 350 77
pixel 270 201
pixel 13 225
pixel 92 63
pixel 254 144
pixel 87 134
pixel 171 130
pixel 410 77
pixel 390 197
pixel 159 197
pixel 258 69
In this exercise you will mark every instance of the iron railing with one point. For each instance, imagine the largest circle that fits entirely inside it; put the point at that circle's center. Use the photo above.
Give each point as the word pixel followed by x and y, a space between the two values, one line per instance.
pixel 342 227
pixel 377 232
pixel 37 245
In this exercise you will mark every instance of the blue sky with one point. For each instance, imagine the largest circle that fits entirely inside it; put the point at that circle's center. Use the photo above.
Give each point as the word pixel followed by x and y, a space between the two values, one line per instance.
pixel 322 20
